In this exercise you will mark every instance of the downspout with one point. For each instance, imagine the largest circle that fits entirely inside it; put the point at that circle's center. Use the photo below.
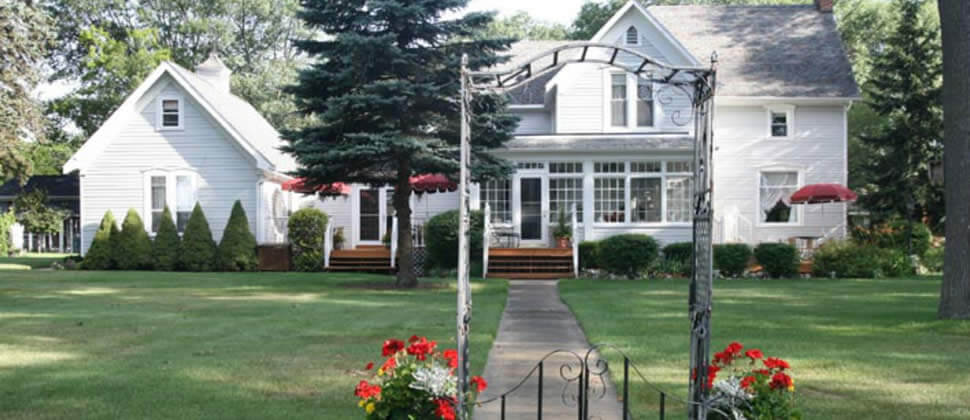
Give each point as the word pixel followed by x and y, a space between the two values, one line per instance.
pixel 260 234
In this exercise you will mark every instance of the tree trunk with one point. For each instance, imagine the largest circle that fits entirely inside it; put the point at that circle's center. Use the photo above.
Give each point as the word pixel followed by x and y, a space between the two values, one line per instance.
pixel 955 292
pixel 402 205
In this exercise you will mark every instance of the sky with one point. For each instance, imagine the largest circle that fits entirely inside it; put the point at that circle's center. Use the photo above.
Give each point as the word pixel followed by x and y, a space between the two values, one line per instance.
pixel 556 11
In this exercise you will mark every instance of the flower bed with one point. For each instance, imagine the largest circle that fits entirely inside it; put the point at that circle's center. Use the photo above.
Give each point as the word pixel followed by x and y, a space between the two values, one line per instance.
pixel 755 387
pixel 415 381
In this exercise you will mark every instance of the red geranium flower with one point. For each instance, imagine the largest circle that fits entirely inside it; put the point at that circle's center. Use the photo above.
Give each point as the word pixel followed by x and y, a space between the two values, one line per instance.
pixel 754 354
pixel 392 346
pixel 747 381
pixel 776 363
pixel 414 339
pixel 780 381
pixel 711 375
pixel 479 383
pixel 369 366
pixel 390 364
pixel 444 409
pixel 765 372
pixel 734 348
pixel 452 356
pixel 366 390
pixel 421 348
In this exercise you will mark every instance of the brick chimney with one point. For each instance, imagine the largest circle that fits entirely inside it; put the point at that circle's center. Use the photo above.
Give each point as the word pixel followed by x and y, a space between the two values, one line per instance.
pixel 824 6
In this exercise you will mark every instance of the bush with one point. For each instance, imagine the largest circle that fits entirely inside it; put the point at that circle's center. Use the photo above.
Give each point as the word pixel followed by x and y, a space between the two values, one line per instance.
pixel 441 238
pixel 198 251
pixel 100 255
pixel 307 231
pixel 732 259
pixel 892 235
pixel 6 221
pixel 237 249
pixel 848 259
pixel 587 255
pixel 669 267
pixel 134 247
pixel 681 252
pixel 777 259
pixel 628 254
pixel 165 248
pixel 933 259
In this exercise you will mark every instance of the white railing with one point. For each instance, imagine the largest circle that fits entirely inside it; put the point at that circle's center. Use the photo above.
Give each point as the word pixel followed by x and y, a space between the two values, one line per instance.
pixel 486 234
pixel 393 239
pixel 575 242
pixel 733 228
pixel 327 243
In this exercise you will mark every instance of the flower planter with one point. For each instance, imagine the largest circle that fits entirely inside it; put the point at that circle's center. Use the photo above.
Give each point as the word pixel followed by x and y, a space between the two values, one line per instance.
pixel 562 243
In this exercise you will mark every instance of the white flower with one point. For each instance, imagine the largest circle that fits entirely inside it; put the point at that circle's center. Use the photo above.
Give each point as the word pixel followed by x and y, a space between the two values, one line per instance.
pixel 729 396
pixel 435 380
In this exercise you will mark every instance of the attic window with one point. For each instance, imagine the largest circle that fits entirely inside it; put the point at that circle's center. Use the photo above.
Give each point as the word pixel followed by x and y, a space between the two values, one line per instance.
pixel 171 113
pixel 780 119
pixel 631 36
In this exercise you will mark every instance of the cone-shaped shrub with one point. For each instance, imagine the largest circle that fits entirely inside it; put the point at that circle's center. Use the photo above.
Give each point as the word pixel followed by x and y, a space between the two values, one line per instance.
pixel 198 251
pixel 165 248
pixel 100 255
pixel 237 250
pixel 134 247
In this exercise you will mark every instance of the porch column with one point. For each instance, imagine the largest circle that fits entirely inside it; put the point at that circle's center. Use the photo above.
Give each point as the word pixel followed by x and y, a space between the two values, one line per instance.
pixel 588 194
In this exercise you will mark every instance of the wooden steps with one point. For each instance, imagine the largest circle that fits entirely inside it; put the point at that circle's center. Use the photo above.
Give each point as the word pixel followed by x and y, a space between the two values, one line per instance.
pixel 530 263
pixel 365 258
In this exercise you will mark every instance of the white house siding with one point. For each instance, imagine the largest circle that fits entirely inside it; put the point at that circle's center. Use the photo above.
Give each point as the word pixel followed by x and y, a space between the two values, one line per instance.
pixel 816 150
pixel 533 121
pixel 115 179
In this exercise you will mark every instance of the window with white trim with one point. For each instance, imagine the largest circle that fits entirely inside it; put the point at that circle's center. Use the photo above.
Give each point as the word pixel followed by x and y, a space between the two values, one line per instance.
pixel 184 200
pixel 618 100
pixel 779 124
pixel 563 193
pixel 654 191
pixel 774 197
pixel 780 118
pixel 497 194
pixel 645 201
pixel 609 203
pixel 644 103
pixel 678 199
pixel 170 110
pixel 632 37
pixel 158 200
pixel 175 190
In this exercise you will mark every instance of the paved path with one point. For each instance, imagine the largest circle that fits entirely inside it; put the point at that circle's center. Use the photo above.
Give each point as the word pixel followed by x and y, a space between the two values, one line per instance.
pixel 535 323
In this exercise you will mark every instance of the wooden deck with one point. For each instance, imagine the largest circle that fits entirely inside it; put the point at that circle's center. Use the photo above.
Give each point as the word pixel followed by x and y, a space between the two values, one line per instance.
pixel 530 263
pixel 366 258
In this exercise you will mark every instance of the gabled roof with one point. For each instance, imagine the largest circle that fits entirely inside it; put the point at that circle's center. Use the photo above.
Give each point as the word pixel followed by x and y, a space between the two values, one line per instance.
pixel 54 185
pixel 251 132
pixel 532 93
pixel 765 51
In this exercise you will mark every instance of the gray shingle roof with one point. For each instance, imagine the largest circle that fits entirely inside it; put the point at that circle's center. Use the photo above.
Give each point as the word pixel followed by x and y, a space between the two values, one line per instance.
pixel 765 50
pixel 531 93
pixel 53 185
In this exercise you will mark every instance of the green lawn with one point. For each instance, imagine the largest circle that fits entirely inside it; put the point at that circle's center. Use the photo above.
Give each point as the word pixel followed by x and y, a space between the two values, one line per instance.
pixel 30 261
pixel 859 349
pixel 126 345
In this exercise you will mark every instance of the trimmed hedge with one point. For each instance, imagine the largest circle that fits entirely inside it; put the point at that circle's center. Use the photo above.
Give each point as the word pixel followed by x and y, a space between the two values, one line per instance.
pixel 134 247
pixel 165 248
pixel 681 252
pixel 777 259
pixel 588 254
pixel 198 249
pixel 237 249
pixel 848 259
pixel 441 238
pixel 100 255
pixel 732 259
pixel 892 235
pixel 307 231
pixel 628 254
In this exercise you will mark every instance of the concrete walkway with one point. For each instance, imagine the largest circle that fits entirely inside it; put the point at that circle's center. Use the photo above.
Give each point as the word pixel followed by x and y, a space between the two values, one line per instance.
pixel 535 323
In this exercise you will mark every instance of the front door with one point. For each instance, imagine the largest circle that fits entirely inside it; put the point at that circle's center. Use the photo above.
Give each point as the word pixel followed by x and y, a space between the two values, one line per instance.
pixel 530 204
pixel 370 216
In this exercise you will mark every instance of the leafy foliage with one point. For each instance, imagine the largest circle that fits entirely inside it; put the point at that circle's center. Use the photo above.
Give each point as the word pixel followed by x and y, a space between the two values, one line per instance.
pixel 441 238
pixel 588 254
pixel 36 214
pixel 522 26
pixel 778 260
pixel 133 248
pixel 849 259
pixel 679 251
pixel 307 230
pixel 7 220
pixel 628 254
pixel 198 249
pixel 165 247
pixel 732 259
pixel 24 38
pixel 100 255
pixel 893 235
pixel 237 249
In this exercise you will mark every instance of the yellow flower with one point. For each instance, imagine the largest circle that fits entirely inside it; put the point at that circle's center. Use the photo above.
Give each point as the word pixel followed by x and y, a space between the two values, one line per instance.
pixel 791 387
pixel 361 403
pixel 380 372
pixel 370 408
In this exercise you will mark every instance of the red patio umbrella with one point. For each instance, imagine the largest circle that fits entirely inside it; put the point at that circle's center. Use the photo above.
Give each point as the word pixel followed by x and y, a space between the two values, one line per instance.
pixel 299 185
pixel 425 183
pixel 822 194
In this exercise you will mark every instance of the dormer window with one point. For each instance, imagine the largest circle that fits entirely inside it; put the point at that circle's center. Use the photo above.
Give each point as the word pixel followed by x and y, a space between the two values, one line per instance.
pixel 631 103
pixel 170 114
pixel 780 121
pixel 632 38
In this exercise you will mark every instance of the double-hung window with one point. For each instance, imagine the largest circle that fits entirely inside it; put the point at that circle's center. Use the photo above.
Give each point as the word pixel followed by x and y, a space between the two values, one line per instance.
pixel 618 100
pixel 774 192
pixel 644 103
pixel 170 113
pixel 626 89
pixel 780 121
pixel 175 190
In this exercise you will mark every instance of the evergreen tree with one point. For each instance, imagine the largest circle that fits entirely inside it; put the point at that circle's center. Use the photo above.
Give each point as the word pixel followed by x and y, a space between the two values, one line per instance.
pixel 237 249
pixel 133 248
pixel 198 251
pixel 165 248
pixel 100 255
pixel 381 95
pixel 905 89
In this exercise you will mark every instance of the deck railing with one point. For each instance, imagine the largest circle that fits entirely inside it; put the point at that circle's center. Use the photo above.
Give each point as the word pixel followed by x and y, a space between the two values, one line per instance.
pixel 575 241
pixel 393 240
pixel 486 235
pixel 328 243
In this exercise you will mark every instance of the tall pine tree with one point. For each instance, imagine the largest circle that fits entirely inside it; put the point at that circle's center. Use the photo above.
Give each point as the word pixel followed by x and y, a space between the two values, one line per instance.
pixel 904 88
pixel 383 92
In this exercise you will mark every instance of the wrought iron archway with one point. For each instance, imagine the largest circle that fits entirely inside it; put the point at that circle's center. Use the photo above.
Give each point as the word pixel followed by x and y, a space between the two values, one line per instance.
pixel 696 83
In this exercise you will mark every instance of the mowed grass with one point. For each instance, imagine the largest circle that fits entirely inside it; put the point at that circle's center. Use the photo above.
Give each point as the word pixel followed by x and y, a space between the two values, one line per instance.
pixel 126 345
pixel 859 349
pixel 33 261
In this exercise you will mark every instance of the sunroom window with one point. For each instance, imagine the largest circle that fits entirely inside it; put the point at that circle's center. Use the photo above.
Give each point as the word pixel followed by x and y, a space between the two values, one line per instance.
pixel 497 194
